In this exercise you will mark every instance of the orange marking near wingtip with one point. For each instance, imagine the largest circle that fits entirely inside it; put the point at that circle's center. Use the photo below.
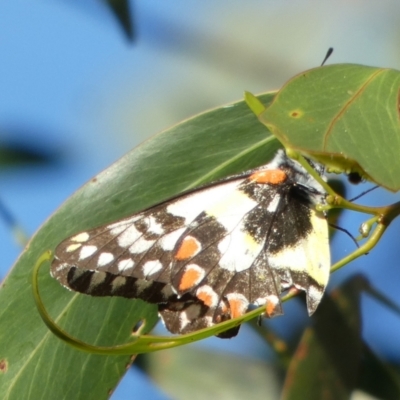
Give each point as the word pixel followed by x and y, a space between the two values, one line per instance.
pixel 190 278
pixel 207 296
pixel 270 308
pixel 238 307
pixel 189 247
pixel 272 176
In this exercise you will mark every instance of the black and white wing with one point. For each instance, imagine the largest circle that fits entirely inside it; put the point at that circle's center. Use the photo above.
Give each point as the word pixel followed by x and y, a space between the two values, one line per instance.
pixel 205 256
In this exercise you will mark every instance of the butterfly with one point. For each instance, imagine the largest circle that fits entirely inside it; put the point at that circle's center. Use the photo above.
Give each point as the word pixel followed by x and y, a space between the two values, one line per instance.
pixel 207 255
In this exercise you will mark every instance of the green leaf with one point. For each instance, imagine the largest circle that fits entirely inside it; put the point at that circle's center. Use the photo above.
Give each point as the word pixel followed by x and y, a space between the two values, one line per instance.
pixel 346 116
pixel 326 362
pixel 378 378
pixel 212 145
pixel 212 375
pixel 332 360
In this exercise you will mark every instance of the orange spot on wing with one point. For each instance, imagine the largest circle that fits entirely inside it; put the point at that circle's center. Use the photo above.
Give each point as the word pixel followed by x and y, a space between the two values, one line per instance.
pixel 237 307
pixel 270 308
pixel 190 278
pixel 206 298
pixel 189 247
pixel 272 176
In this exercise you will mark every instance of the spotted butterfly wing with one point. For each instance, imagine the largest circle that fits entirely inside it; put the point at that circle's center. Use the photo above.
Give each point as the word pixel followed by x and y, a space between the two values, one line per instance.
pixel 206 255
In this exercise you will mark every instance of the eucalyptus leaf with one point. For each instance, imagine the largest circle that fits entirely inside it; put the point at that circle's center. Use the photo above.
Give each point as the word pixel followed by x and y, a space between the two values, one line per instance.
pixel 332 359
pixel 38 365
pixel 346 116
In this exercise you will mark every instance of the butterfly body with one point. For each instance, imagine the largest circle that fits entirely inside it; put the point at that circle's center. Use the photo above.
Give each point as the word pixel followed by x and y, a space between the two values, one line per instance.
pixel 206 255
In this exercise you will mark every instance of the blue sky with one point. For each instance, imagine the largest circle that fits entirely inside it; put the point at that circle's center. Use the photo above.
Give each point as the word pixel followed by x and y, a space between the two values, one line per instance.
pixel 73 86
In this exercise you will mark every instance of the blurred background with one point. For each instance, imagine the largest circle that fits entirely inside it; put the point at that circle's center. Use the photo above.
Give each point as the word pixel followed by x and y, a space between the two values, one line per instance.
pixel 77 91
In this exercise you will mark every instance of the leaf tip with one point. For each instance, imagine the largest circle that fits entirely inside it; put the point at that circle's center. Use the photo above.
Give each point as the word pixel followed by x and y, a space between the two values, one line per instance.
pixel 254 104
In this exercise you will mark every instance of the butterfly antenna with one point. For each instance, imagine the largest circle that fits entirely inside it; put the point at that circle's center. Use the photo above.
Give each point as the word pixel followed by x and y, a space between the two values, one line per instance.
pixel 364 193
pixel 346 232
pixel 328 54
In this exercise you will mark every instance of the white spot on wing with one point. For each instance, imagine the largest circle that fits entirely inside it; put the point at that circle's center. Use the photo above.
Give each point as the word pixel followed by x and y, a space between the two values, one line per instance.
pixel 238 297
pixel 129 236
pixel 124 222
pixel 141 246
pixel 80 237
pixel 183 320
pixel 273 205
pixel 154 226
pixel 168 241
pixel 87 251
pixel 151 267
pixel 117 230
pixel 60 268
pixel 311 254
pixel 314 296
pixel 117 227
pixel 104 259
pixel 224 244
pixel 239 250
pixel 191 206
pixel 192 312
pixel 73 247
pixel 123 265
pixel 229 212
pixel 268 299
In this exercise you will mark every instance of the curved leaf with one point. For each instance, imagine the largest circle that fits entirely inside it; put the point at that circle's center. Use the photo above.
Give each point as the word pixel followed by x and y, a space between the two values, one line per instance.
pixel 209 146
pixel 346 116
pixel 326 362
pixel 332 360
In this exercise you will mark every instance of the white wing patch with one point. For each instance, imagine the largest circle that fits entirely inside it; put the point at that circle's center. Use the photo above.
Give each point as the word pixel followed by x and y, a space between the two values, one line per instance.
pixel 151 267
pixel 239 250
pixel 191 206
pixel 229 211
pixel 272 207
pixel 80 237
pixel 141 246
pixel 123 222
pixel 311 256
pixel 154 226
pixel 168 241
pixel 128 236
pixel 104 259
pixel 72 247
pixel 87 251
pixel 125 264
